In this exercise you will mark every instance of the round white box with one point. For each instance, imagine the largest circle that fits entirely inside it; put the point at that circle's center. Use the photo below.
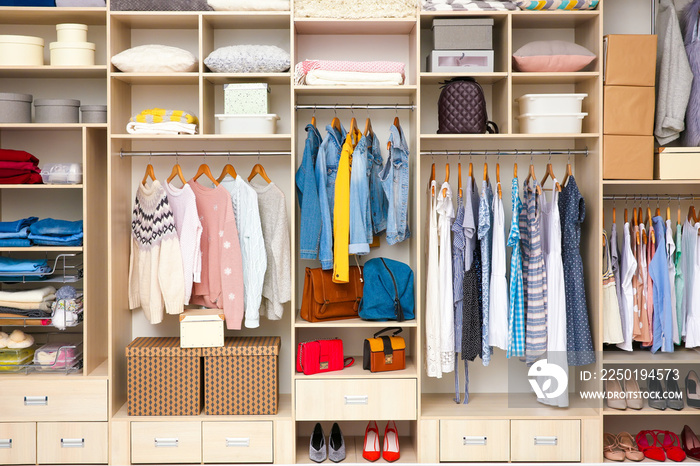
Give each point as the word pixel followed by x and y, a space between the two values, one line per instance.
pixel 72 53
pixel 71 32
pixel 21 50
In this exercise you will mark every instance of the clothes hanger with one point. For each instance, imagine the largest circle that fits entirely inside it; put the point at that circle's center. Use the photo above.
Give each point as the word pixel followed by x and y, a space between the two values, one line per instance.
pixel 515 170
pixel 634 222
pixel 668 212
pixel 229 170
pixel 205 170
pixel 531 176
pixel 568 170
pixel 335 122
pixel 368 126
pixel 486 172
pixel 432 178
pixel 459 182
pixel 150 173
pixel 550 173
pixel 397 123
pixel 614 212
pixel 640 220
pixel 447 179
pixel 258 169
pixel 313 118
pixel 177 171
pixel 679 210
pixel 471 172
pixel 626 216
pixel 691 213
pixel 498 180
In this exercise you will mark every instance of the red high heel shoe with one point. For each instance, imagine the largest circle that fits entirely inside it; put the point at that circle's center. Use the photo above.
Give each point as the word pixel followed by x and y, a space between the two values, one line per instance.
pixel 391 443
pixel 370 451
pixel 671 445
pixel 650 450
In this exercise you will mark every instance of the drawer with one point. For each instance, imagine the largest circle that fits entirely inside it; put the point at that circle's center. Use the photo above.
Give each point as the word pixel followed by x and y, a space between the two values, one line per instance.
pixel 355 399
pixel 237 442
pixel 72 442
pixel 18 443
pixel 57 400
pixel 166 442
pixel 476 440
pixel 545 440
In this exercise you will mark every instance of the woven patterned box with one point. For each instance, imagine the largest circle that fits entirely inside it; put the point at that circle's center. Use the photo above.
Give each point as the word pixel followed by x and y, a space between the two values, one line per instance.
pixel 242 377
pixel 162 378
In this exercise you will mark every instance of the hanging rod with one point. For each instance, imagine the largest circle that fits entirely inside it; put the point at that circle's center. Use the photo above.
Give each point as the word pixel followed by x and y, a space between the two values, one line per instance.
pixel 508 152
pixel 355 107
pixel 204 153
pixel 644 197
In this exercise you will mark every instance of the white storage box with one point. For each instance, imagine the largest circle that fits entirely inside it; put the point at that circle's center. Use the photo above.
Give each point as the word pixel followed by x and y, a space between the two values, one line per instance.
pixel 461 61
pixel 62 173
pixel 677 163
pixel 72 53
pixel 549 104
pixel 246 99
pixel 248 124
pixel 21 51
pixel 71 32
pixel 202 328
pixel 551 124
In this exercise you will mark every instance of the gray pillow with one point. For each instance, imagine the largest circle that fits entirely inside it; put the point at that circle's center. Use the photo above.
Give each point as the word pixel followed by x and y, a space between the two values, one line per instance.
pixel 159 5
pixel 552 56
pixel 248 59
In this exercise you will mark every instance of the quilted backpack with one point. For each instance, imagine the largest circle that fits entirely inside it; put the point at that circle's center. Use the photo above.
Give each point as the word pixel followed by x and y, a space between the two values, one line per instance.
pixel 462 108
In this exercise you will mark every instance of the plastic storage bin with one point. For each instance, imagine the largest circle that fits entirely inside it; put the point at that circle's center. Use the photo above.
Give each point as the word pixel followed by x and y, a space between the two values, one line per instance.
pixel 11 358
pixel 56 111
pixel 551 124
pixel 463 34
pixel 71 32
pixel 72 53
pixel 21 50
pixel 62 173
pixel 56 356
pixel 549 104
pixel 248 124
pixel 15 108
pixel 93 113
pixel 461 61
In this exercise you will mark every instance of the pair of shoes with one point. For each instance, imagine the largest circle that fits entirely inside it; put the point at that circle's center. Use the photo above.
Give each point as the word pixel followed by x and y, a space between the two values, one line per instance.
pixel 659 449
pixel 617 448
pixel 336 444
pixel 691 444
pixel 390 452
pixel 692 389
pixel 673 397
pixel 619 398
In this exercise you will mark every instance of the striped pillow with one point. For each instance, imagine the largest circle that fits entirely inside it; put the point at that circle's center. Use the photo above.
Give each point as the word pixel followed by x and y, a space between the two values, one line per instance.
pixel 557 4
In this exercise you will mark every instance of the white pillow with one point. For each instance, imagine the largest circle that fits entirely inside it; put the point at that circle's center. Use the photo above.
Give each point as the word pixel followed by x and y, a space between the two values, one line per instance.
pixel 248 59
pixel 249 5
pixel 155 59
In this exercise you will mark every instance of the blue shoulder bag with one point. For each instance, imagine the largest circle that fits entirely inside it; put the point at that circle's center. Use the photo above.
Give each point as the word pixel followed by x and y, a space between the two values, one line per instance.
pixel 388 291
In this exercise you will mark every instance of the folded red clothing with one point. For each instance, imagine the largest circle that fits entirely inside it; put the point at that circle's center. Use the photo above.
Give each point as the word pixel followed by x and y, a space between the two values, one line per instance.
pixel 26 166
pixel 27 178
pixel 7 172
pixel 17 156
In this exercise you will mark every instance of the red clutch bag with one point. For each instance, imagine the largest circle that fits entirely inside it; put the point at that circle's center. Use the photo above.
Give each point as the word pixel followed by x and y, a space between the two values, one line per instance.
pixel 321 356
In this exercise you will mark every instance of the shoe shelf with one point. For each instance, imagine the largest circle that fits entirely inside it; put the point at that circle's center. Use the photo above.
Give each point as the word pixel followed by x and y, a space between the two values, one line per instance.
pixel 679 356
pixel 647 411
pixel 353 450
pixel 647 460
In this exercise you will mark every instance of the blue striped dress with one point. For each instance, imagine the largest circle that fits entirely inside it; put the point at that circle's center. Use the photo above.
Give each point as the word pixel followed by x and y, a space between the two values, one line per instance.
pixel 536 303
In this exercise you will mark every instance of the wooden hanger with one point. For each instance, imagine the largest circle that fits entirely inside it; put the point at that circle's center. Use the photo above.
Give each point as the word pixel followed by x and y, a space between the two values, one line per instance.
pixel 550 173
pixel 498 181
pixel 668 212
pixel 626 217
pixel 634 222
pixel 640 221
pixel 614 212
pixel 259 170
pixel 150 173
pixel 679 212
pixel 353 128
pixel 531 176
pixel 658 212
pixel 205 170
pixel 228 170
pixel 471 172
pixel 177 171
pixel 486 172
pixel 649 215
pixel 313 120
pixel 447 179
pixel 432 178
pixel 397 123
pixel 459 182
pixel 568 174
pixel 515 170
pixel 368 128
pixel 691 214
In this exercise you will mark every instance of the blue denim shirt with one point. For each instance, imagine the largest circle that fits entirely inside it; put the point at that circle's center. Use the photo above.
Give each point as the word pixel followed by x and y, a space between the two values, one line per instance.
pixel 326 172
pixel 394 179
pixel 360 215
pixel 377 196
pixel 307 193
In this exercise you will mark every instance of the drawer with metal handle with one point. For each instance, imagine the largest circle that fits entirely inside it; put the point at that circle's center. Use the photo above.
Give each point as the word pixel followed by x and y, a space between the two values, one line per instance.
pixel 237 442
pixel 545 440
pixel 166 442
pixel 474 440
pixel 35 400
pixel 72 442
pixel 18 443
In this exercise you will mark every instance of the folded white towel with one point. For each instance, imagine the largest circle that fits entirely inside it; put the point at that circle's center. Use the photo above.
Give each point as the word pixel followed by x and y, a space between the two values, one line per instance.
pixel 80 3
pixel 43 305
pixel 28 296
pixel 249 5
pixel 352 78
pixel 169 127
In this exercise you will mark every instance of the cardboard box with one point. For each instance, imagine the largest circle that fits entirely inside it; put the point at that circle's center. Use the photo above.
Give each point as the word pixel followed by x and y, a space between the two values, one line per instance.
pixel 201 328
pixel 461 61
pixel 162 378
pixel 628 157
pixel 463 33
pixel 677 163
pixel 630 60
pixel 242 377
pixel 246 99
pixel 629 110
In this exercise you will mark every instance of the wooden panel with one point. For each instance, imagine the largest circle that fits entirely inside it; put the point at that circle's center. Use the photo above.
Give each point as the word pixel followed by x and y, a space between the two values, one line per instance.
pixel 545 440
pixel 283 442
pixel 119 442
pixel 72 442
pixel 356 399
pixel 58 400
pixel 18 443
pixel 591 441
pixel 166 442
pixel 428 441
pixel 237 442
pixel 475 440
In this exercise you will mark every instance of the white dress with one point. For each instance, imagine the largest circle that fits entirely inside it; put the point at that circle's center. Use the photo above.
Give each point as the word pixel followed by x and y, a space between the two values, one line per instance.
pixel 498 301
pixel 628 265
pixel 432 310
pixel 688 240
pixel 692 322
pixel 446 215
pixel 671 266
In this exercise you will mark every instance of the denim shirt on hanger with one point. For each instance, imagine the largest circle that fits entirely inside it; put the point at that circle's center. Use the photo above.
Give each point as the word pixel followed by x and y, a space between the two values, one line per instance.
pixel 377 197
pixel 307 193
pixel 360 215
pixel 326 172
pixel 394 178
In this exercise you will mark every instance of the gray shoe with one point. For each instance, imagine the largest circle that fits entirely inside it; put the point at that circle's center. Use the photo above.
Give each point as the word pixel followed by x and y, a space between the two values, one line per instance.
pixel 674 401
pixel 336 444
pixel 656 399
pixel 317 445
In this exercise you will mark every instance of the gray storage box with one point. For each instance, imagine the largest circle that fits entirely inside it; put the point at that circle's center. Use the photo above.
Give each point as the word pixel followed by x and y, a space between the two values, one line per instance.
pixel 57 111
pixel 15 108
pixel 93 113
pixel 463 34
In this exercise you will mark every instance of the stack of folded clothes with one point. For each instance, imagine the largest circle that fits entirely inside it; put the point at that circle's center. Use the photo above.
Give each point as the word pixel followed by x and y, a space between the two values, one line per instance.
pixel 468 5
pixel 29 304
pixel 19 270
pixel 349 73
pixel 16 234
pixel 161 121
pixel 52 232
pixel 19 167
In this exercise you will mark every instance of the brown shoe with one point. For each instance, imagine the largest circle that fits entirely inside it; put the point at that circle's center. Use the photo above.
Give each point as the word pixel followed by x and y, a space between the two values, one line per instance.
pixel 629 446
pixel 611 450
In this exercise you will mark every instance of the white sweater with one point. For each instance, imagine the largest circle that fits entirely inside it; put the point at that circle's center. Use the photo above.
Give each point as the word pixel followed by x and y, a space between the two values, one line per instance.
pixel 189 233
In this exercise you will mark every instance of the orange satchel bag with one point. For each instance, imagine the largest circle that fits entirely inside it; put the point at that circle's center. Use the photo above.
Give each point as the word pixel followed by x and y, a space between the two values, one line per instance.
pixel 325 300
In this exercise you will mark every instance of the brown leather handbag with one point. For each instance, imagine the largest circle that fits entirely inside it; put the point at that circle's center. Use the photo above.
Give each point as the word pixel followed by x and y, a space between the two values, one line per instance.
pixel 325 300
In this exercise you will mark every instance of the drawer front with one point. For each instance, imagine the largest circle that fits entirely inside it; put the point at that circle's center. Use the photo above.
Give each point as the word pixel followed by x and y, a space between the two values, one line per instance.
pixel 72 442
pixel 356 399
pixel 545 440
pixel 237 442
pixel 58 400
pixel 476 440
pixel 18 443
pixel 166 442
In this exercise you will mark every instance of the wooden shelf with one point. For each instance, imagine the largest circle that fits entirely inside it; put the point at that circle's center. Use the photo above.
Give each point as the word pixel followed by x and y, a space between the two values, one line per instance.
pixel 357 91
pixel 40 186
pixel 554 78
pixel 44 249
pixel 53 15
pixel 650 183
pixel 383 26
pixel 157 19
pixel 482 78
pixel 270 78
pixel 49 126
pixel 204 137
pixel 351 323
pixel 552 19
pixel 247 19
pixel 679 356
pixel 353 450
pixel 647 411
pixel 515 137
pixel 47 71
pixel 157 78
pixel 357 372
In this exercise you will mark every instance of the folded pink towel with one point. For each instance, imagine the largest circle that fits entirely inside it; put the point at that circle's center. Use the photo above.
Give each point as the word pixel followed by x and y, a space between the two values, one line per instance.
pixel 303 68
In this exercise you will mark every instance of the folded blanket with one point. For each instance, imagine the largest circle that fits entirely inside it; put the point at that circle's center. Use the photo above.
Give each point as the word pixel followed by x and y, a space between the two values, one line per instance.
pixel 27 178
pixel 20 266
pixel 354 9
pixel 36 295
pixel 43 305
pixel 161 128
pixel 159 5
pixel 71 240
pixel 10 172
pixel 15 243
pixel 9 318
pixel 53 227
pixel 159 115
pixel 25 166
pixel 18 156
pixel 80 3
pixel 468 5
pixel 22 234
pixel 249 5
pixel 351 78
pixel 17 225
pixel 302 69
pixel 34 313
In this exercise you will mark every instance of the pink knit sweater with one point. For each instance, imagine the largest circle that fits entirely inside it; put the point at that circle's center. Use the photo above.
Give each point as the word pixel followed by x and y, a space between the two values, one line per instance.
pixel 222 269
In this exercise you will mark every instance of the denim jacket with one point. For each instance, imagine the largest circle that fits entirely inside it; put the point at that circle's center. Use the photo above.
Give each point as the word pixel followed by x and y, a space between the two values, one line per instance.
pixel 360 215
pixel 395 182
pixel 377 197
pixel 326 172
pixel 307 193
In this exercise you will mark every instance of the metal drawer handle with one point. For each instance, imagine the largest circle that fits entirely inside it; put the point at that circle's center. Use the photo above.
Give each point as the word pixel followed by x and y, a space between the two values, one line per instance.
pixel 356 399
pixel 72 443
pixel 166 442
pixel 551 441
pixel 5 443
pixel 474 439
pixel 36 401
pixel 237 442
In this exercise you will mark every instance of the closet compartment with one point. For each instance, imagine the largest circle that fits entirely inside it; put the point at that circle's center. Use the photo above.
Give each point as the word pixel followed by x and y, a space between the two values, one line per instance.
pixel 18 443
pixel 545 440
pixel 72 442
pixel 166 442
pixel 475 440
pixel 237 442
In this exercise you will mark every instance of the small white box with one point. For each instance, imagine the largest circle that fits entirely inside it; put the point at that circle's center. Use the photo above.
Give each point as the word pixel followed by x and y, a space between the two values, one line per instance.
pixel 461 61
pixel 677 163
pixel 548 104
pixel 248 124
pixel 551 124
pixel 246 99
pixel 62 173
pixel 202 328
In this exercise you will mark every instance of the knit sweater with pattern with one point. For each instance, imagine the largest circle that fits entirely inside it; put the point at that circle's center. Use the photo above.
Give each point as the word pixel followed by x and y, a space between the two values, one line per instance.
pixel 155 265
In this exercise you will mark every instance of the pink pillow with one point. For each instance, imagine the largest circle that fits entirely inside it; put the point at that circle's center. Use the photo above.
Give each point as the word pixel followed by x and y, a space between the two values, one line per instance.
pixel 552 56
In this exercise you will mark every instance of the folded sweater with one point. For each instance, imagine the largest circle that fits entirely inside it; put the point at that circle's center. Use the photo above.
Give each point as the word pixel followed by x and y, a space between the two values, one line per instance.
pixel 29 296
pixel 17 156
